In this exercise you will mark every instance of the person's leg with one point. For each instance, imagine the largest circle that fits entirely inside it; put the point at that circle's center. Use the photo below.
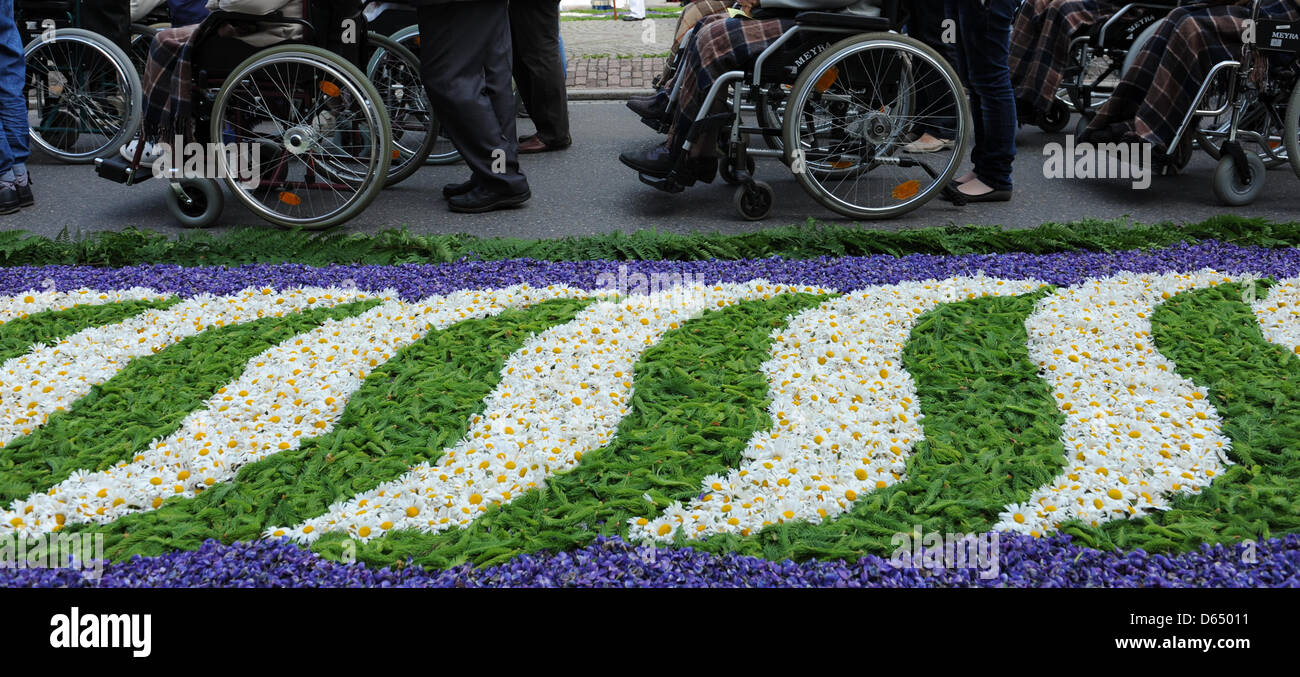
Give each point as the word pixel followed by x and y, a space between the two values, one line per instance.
pixel 13 105
pixel 534 32
pixel 465 66
pixel 985 33
pixel 937 117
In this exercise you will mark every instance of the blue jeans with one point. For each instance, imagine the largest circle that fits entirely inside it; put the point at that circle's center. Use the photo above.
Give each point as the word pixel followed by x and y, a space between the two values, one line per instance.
pixel 926 24
pixel 983 48
pixel 13 109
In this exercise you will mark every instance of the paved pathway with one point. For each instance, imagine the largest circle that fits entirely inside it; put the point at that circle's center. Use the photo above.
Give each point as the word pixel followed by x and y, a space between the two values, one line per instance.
pixel 593 48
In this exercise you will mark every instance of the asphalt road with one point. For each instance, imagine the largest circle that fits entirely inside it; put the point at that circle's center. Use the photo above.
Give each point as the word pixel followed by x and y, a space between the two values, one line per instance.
pixel 585 190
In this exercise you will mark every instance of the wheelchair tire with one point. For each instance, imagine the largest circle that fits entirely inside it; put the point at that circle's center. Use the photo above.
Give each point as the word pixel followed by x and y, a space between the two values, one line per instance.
pixel 1056 118
pixel 415 129
pixel 141 39
pixel 81 78
pixel 206 201
pixel 1291 129
pixel 443 153
pixel 1228 186
pixel 754 202
pixel 316 166
pixel 827 169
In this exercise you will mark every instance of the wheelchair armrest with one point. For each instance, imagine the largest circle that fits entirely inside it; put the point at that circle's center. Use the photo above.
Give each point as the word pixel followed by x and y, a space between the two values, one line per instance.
pixel 866 24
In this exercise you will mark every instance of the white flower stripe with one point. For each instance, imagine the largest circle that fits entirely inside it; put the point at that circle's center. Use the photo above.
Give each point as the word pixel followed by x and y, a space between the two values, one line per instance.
pixel 846 413
pixel 51 378
pixel 1279 314
pixel 290 392
pixel 1135 432
pixel 561 396
pixel 32 302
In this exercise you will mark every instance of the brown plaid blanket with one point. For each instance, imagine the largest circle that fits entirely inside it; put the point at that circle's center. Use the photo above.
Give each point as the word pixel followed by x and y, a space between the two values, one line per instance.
pixel 1040 44
pixel 690 16
pixel 719 45
pixel 1153 97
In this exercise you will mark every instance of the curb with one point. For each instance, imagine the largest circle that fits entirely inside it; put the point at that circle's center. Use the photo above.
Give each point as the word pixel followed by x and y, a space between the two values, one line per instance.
pixel 607 93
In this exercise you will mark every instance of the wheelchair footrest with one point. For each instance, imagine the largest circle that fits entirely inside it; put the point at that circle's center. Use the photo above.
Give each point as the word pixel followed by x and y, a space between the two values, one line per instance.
pixel 667 185
pixel 119 169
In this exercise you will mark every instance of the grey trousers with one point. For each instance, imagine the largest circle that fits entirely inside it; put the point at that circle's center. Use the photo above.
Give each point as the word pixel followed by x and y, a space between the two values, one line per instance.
pixel 465 65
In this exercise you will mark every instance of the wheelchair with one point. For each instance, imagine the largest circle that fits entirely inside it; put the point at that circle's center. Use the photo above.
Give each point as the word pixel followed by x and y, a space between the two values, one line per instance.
pixel 837 97
pixel 395 36
pixel 1098 58
pixel 1252 106
pixel 83 93
pixel 295 131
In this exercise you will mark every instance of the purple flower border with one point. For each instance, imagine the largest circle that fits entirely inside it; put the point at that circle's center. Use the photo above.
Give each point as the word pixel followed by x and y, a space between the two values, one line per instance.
pixel 1024 561
pixel 414 281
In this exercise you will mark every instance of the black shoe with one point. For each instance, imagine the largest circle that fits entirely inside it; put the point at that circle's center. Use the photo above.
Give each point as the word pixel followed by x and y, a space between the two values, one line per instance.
pixel 25 198
pixel 453 189
pixel 657 161
pixel 959 198
pixel 652 107
pixel 9 202
pixel 481 200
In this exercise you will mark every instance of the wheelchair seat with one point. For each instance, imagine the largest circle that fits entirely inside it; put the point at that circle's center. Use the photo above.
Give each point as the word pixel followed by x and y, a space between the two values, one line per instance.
pixel 864 24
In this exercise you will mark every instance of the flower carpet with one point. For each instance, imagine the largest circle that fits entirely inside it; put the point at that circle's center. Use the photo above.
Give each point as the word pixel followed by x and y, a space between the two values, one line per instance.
pixel 1092 417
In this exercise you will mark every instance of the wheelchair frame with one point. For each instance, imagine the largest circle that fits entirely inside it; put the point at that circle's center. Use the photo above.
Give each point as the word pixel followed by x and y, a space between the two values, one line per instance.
pixel 754 199
pixel 197 201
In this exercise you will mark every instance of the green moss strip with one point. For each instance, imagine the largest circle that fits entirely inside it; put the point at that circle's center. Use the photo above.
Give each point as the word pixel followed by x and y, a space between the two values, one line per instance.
pixel 1215 341
pixel 132 246
pixel 146 400
pixel 406 412
pixel 18 336
pixel 698 396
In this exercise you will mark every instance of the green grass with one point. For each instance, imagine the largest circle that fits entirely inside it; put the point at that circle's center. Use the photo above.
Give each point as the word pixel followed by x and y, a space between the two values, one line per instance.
pixel 1216 342
pixel 19 335
pixel 148 399
pixel 406 412
pixel 698 396
pixel 252 245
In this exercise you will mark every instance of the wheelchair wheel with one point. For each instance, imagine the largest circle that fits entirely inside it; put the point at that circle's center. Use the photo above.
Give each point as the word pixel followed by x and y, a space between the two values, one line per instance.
pixel 1291 129
pixel 83 95
pixel 196 202
pixel 1056 117
pixel 849 115
pixel 330 127
pixel 141 39
pixel 443 152
pixel 395 72
pixel 754 202
pixel 1229 187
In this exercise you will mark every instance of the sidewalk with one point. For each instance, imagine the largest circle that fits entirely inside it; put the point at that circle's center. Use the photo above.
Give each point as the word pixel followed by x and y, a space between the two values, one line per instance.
pixel 614 59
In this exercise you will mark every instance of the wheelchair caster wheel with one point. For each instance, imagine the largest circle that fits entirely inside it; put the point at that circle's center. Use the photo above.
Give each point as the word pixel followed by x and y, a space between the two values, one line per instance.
pixel 1229 187
pixel 1056 117
pixel 728 172
pixel 196 203
pixel 754 201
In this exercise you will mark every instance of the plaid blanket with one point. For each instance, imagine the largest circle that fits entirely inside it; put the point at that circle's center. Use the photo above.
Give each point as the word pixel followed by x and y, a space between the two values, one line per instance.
pixel 168 83
pixel 1040 45
pixel 719 45
pixel 690 16
pixel 1153 97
